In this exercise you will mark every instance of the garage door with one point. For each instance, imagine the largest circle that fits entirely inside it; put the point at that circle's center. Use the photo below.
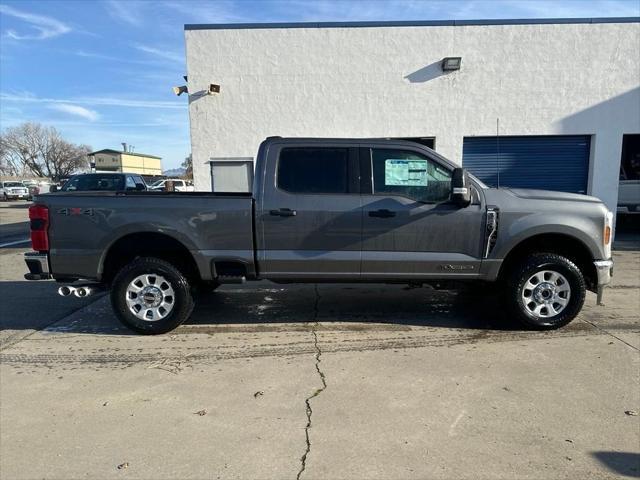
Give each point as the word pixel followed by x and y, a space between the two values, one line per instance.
pixel 545 162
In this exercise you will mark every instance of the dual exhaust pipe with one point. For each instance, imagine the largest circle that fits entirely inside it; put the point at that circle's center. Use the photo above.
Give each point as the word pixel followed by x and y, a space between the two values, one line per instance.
pixel 80 292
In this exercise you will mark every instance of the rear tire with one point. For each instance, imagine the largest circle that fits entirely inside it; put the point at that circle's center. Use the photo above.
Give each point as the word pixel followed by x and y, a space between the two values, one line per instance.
pixel 151 296
pixel 545 291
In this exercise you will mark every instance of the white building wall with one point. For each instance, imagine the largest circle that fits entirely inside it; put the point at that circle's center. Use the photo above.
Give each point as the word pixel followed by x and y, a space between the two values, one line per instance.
pixel 538 79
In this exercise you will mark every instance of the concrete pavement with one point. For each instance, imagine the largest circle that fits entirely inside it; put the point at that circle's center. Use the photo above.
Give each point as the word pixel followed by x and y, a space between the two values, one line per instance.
pixel 418 385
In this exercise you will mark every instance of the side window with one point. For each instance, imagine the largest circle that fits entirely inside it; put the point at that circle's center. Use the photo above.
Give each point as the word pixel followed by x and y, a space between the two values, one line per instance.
pixel 130 185
pixel 410 174
pixel 140 185
pixel 313 170
pixel 71 185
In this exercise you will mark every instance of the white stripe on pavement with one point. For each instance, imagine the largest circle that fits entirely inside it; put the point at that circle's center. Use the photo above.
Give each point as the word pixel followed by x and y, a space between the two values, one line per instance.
pixel 17 242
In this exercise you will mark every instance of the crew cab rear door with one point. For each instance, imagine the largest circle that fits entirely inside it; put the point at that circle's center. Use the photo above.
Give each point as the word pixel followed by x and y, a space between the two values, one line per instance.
pixel 410 228
pixel 309 213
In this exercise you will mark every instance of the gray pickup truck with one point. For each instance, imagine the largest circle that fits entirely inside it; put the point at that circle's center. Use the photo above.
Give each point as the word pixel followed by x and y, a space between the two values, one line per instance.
pixel 327 210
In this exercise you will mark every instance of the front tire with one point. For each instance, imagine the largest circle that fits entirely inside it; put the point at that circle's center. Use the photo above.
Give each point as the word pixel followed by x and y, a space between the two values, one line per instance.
pixel 545 291
pixel 151 296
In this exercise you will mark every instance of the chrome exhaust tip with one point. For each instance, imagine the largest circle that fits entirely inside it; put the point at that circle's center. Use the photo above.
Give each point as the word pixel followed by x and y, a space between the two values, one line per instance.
pixel 66 290
pixel 82 292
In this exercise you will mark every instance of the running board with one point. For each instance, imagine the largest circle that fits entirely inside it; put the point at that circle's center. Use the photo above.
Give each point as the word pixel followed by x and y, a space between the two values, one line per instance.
pixel 231 279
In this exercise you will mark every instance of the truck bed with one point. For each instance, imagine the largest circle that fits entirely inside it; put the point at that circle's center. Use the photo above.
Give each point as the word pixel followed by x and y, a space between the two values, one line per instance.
pixel 84 226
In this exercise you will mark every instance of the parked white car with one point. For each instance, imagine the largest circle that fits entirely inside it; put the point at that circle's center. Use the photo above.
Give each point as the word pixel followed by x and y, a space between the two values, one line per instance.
pixel 629 195
pixel 36 188
pixel 629 187
pixel 13 190
pixel 179 185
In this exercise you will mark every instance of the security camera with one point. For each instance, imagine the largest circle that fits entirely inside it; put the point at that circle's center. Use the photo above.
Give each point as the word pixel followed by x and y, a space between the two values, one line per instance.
pixel 180 90
pixel 213 88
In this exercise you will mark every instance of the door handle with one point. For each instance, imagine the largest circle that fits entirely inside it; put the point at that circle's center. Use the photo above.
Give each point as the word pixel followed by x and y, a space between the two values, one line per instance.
pixel 383 213
pixel 283 212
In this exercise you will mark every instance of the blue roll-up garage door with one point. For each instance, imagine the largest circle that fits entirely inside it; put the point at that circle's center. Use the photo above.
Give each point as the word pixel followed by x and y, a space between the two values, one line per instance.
pixel 545 162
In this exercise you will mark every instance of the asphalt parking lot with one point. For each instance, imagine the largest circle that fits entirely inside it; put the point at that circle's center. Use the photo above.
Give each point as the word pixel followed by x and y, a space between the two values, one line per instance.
pixel 316 381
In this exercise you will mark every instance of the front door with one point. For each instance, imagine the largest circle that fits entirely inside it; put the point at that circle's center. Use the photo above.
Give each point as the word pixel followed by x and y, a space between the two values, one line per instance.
pixel 310 218
pixel 410 228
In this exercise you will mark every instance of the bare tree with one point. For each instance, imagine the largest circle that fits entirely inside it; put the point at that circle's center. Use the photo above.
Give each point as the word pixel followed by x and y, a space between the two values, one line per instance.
pixel 8 164
pixel 42 151
pixel 188 168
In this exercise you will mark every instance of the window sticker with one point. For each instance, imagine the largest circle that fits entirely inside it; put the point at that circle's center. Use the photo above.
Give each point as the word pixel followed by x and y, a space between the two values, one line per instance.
pixel 409 173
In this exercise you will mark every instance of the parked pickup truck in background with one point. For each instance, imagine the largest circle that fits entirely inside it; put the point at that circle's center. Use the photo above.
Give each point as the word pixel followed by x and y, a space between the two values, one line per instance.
pixel 105 182
pixel 327 210
pixel 13 191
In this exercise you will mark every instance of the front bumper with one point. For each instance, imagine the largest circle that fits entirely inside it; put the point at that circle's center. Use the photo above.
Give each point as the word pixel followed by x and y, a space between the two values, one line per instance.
pixel 17 193
pixel 38 265
pixel 604 269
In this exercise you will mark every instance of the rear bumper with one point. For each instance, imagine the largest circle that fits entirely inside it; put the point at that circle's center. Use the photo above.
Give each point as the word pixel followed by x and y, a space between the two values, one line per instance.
pixel 604 269
pixel 38 265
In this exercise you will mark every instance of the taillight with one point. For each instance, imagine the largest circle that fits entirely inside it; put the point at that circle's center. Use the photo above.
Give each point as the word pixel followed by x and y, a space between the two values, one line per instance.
pixel 39 219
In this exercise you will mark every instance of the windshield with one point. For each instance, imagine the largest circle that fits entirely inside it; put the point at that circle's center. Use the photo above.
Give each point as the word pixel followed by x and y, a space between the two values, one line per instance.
pixel 13 184
pixel 157 183
pixel 89 183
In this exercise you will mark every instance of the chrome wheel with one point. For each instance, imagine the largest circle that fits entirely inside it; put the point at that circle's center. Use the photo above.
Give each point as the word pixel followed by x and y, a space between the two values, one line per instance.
pixel 150 297
pixel 546 294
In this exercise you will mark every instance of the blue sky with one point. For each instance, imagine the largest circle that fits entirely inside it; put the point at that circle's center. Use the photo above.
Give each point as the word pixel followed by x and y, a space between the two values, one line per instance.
pixel 102 71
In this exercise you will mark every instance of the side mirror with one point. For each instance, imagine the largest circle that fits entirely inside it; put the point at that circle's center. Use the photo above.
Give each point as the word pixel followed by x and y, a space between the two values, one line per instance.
pixel 53 189
pixel 460 192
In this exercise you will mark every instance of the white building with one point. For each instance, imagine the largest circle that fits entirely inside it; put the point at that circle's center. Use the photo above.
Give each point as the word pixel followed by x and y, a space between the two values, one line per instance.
pixel 566 93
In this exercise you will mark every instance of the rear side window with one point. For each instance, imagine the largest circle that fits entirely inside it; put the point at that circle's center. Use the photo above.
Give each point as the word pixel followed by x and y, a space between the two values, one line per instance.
pixel 89 183
pixel 140 185
pixel 313 170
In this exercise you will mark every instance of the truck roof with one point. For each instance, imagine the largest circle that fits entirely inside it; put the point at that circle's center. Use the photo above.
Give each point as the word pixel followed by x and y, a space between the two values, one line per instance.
pixel 351 141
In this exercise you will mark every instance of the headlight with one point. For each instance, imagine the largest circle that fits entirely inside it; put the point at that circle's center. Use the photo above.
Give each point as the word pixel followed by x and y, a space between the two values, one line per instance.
pixel 607 234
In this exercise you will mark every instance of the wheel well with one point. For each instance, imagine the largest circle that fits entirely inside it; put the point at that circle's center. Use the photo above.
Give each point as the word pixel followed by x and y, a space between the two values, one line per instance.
pixel 148 244
pixel 565 245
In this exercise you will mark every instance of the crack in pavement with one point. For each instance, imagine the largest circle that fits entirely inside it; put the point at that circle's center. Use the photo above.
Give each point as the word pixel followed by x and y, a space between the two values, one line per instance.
pixel 307 401
pixel 607 332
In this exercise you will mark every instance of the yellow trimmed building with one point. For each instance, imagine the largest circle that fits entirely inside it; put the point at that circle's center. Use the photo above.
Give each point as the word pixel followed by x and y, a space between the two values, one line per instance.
pixel 108 160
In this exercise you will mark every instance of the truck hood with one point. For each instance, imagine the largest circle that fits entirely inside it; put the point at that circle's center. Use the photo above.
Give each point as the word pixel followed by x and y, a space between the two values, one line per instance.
pixel 552 195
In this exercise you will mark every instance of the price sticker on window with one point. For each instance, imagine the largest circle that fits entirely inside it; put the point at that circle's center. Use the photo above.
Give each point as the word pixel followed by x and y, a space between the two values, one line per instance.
pixel 407 173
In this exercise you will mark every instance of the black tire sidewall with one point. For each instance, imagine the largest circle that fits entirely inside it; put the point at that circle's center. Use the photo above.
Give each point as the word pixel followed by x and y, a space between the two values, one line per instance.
pixel 555 263
pixel 183 301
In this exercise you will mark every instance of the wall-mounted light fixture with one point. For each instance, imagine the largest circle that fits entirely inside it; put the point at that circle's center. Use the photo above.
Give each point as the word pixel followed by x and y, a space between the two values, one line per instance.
pixel 210 90
pixel 180 90
pixel 450 64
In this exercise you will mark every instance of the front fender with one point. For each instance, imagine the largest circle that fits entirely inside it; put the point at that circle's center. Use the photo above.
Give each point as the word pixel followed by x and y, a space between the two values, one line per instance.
pixel 512 232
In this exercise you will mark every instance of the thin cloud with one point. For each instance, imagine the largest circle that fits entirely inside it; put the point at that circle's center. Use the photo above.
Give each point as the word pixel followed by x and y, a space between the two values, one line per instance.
pixel 127 12
pixel 76 110
pixel 222 11
pixel 172 56
pixel 114 59
pixel 45 27
pixel 107 101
